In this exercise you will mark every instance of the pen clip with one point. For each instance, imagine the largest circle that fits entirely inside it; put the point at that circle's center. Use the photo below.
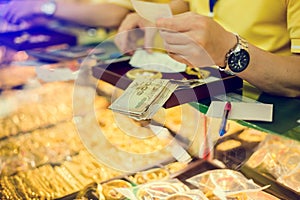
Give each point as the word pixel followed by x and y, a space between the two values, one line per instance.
pixel 227 109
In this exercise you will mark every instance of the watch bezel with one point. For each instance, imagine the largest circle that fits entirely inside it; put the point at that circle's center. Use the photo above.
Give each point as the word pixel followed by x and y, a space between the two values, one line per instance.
pixel 240 47
pixel 239 53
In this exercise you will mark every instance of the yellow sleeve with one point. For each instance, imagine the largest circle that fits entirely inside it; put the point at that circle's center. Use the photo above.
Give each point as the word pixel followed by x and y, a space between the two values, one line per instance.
pixel 127 3
pixel 293 18
pixel 199 6
pixel 124 3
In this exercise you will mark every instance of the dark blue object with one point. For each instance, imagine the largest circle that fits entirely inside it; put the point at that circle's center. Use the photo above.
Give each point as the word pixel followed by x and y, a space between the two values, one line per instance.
pixel 227 109
pixel 212 5
pixel 32 38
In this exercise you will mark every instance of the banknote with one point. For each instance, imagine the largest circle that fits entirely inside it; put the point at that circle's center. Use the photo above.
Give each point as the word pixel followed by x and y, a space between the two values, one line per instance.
pixel 143 98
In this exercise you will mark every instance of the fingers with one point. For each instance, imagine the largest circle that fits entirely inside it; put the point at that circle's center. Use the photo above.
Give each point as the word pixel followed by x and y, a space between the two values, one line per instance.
pixel 172 37
pixel 131 21
pixel 179 23
pixel 182 49
pixel 179 58
pixel 10 13
pixel 149 38
pixel 132 40
pixel 125 37
pixel 121 41
pixel 191 53
pixel 127 41
pixel 6 13
pixel 17 11
pixel 133 28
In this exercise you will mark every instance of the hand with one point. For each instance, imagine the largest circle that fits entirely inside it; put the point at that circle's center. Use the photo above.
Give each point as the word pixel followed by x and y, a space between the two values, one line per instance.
pixel 195 39
pixel 132 29
pixel 16 11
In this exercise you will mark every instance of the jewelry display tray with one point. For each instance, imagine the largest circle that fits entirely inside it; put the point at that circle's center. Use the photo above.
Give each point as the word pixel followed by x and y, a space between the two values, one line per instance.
pixel 276 188
pixel 54 37
pixel 115 74
pixel 196 166
pixel 237 158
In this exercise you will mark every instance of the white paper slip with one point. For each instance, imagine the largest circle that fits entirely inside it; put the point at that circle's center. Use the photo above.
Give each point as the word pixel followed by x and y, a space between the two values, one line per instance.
pixel 156 61
pixel 58 74
pixel 28 63
pixel 177 151
pixel 151 11
pixel 242 111
pixel 233 97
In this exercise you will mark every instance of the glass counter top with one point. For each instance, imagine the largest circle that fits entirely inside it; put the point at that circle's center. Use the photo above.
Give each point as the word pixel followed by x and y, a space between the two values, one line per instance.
pixel 286 115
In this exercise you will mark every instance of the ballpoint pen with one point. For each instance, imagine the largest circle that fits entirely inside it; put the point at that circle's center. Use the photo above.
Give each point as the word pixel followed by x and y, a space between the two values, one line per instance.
pixel 227 109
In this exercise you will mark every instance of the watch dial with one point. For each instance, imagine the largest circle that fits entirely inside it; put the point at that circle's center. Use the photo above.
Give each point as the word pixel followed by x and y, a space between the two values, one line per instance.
pixel 238 61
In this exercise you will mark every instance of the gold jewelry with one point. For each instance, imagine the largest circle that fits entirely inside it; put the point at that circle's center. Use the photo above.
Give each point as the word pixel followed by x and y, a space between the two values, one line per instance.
pixel 10 188
pixel 134 73
pixel 200 73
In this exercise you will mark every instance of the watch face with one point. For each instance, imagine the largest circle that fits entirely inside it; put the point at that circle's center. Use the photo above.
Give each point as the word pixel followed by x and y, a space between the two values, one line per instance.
pixel 238 61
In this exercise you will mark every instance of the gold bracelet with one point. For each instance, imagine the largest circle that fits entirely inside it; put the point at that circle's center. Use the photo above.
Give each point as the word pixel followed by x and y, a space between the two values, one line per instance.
pixel 67 178
pixel 5 191
pixel 43 190
pixel 29 188
pixel 10 188
pixel 73 169
pixel 18 184
pixel 55 182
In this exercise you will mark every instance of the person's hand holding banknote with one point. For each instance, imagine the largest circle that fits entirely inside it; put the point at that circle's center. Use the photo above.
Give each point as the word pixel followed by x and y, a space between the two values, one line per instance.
pixel 140 25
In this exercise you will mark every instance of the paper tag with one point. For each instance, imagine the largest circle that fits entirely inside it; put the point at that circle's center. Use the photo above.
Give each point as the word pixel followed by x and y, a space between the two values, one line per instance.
pixel 177 151
pixel 233 97
pixel 126 192
pixel 156 61
pixel 151 11
pixel 58 74
pixel 242 111
pixel 28 63
pixel 210 137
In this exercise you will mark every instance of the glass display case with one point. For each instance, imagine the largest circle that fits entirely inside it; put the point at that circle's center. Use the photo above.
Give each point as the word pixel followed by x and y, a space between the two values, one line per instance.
pixel 45 154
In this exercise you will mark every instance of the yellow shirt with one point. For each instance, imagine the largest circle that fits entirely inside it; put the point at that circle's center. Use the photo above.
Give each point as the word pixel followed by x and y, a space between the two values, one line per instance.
pixel 123 3
pixel 273 25
pixel 127 3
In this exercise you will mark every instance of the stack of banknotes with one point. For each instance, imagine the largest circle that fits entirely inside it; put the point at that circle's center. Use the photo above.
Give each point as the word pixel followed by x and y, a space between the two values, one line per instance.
pixel 144 97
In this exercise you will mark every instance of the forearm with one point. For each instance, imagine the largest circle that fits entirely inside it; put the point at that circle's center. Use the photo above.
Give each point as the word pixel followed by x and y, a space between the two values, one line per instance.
pixel 208 43
pixel 99 15
pixel 279 75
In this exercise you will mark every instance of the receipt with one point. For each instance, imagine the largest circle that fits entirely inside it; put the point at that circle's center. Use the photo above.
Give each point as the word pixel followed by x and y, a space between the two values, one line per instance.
pixel 242 111
pixel 152 11
pixel 52 75
pixel 156 61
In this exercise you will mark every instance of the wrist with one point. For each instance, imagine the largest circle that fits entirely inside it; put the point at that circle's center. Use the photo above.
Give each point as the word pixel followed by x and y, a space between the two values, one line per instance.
pixel 231 42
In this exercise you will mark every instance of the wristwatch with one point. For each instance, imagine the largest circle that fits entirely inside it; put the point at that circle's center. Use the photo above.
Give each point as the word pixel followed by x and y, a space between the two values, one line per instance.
pixel 238 58
pixel 49 8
